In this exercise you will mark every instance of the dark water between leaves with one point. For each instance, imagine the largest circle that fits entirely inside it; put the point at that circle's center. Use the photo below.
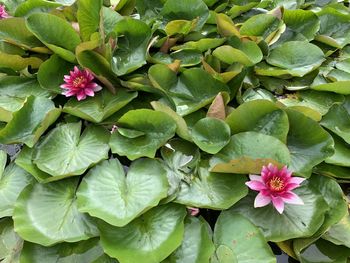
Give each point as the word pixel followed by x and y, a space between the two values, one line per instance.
pixel 12 151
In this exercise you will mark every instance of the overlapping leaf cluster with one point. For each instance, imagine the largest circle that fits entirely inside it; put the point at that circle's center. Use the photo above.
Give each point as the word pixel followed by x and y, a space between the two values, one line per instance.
pixel 202 92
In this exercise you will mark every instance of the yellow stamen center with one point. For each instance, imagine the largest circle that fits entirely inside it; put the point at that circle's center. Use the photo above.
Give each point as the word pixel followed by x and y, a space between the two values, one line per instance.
pixel 78 81
pixel 276 184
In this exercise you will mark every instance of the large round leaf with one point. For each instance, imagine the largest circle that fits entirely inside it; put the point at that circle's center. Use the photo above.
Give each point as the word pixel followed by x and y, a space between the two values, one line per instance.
pixel 155 129
pixel 63 152
pixel 296 220
pixel 211 134
pixel 211 190
pixel 243 238
pixel 10 243
pixel 99 107
pixel 252 145
pixel 47 214
pixel 259 115
pixel 132 45
pixel 296 55
pixel 150 238
pixel 62 40
pixel 12 182
pixel 197 246
pixel 80 252
pixel 30 122
pixel 107 193
pixel 307 142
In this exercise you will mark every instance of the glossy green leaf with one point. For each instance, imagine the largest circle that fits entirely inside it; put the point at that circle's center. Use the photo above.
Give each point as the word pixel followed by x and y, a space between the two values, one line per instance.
pixel 12 182
pixel 9 105
pixel 186 9
pixel 63 152
pixel 260 25
pixel 10 243
pixel 51 73
pixel 338 121
pixel 16 62
pixel 62 40
pixel 99 107
pixel 130 55
pixel 307 142
pixel 197 246
pixel 35 6
pixel 296 55
pixel 205 189
pixel 88 17
pixel 296 220
pixel 243 238
pixel 261 116
pixel 334 30
pixel 211 134
pixel 80 252
pixel 332 170
pixel 47 214
pixel 160 231
pixel 248 53
pixel 252 145
pixel 202 45
pixel 143 187
pixel 157 126
pixel 14 31
pixel 339 233
pixel 30 122
pixel 340 87
pixel 341 155
pixel 21 87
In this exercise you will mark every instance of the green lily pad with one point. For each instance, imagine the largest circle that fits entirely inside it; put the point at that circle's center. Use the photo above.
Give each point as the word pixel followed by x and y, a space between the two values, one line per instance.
pixel 63 152
pixel 260 25
pixel 132 46
pixel 17 63
pixel 197 246
pixel 51 73
pixel 30 122
pixel 12 182
pixel 211 134
pixel 307 142
pixel 339 233
pixel 217 191
pixel 9 105
pixel 295 221
pixel 21 87
pixel 89 17
pixel 38 205
pixel 261 116
pixel 202 44
pixel 101 106
pixel 186 9
pixel 243 238
pixel 160 231
pixel 296 56
pixel 80 252
pixel 341 155
pixel 10 243
pixel 157 126
pixel 338 121
pixel 35 6
pixel 143 187
pixel 252 145
pixel 63 40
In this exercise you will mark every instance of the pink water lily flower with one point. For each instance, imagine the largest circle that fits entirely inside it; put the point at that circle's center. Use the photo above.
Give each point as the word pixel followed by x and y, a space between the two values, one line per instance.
pixel 79 83
pixel 3 13
pixel 275 186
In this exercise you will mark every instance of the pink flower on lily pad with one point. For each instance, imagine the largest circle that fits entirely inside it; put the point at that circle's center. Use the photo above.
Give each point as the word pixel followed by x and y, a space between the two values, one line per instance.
pixel 275 186
pixel 3 13
pixel 80 84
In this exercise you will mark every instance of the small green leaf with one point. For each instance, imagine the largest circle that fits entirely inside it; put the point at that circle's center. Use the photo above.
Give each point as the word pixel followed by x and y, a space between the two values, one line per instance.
pixel 157 126
pixel 211 134
pixel 88 17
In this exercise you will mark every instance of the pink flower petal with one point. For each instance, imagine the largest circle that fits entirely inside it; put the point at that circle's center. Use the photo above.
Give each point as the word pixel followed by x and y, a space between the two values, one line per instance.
pixel 89 92
pixel 256 185
pixel 278 204
pixel 81 95
pixel 261 200
pixel 254 177
pixel 292 198
pixel 97 88
pixel 290 187
pixel 296 180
